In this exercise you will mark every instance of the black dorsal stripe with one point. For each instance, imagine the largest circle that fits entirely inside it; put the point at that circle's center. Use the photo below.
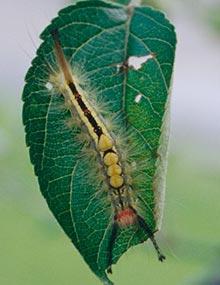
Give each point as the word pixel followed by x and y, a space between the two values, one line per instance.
pixel 97 129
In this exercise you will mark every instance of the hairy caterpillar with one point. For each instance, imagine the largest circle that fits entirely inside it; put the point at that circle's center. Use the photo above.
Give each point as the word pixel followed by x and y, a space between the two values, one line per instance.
pixel 119 188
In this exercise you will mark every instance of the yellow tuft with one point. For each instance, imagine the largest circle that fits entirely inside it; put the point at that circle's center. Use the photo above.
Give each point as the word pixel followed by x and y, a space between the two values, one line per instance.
pixel 110 159
pixel 114 169
pixel 116 181
pixel 105 143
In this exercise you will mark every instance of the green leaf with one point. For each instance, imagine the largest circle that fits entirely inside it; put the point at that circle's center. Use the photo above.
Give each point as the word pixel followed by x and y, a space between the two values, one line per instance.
pixel 99 41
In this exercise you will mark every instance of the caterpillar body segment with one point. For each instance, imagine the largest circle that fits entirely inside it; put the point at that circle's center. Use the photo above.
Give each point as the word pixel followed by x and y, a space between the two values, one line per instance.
pixel 120 188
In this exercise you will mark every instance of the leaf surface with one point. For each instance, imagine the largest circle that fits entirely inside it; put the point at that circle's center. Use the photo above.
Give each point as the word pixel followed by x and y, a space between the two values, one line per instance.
pixel 98 39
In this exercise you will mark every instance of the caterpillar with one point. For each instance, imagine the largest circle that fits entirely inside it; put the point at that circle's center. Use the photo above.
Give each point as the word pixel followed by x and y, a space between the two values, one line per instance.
pixel 119 187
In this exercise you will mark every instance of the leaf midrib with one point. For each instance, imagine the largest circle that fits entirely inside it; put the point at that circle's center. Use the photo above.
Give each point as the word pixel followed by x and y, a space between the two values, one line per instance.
pixel 130 12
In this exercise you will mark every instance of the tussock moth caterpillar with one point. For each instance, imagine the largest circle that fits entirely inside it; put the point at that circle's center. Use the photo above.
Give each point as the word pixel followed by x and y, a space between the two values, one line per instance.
pixel 125 212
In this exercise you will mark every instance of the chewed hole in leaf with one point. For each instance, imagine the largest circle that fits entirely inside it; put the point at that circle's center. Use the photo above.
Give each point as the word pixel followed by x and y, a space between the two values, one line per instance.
pixel 49 86
pixel 137 62
pixel 138 98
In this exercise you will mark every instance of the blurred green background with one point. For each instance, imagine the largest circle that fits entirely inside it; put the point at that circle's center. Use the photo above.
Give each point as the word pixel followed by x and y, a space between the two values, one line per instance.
pixel 33 248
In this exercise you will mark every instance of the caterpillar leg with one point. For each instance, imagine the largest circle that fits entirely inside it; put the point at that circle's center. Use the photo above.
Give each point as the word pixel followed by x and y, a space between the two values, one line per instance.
pixel 148 231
